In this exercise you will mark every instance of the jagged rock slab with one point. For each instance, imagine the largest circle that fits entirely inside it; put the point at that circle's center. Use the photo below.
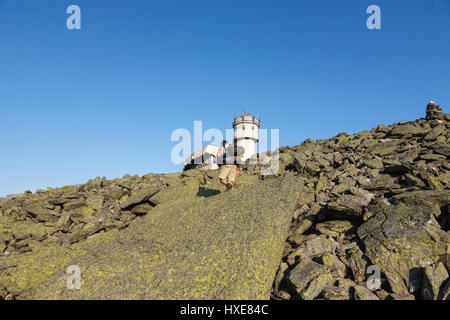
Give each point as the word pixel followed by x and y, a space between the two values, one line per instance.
pixel 227 246
pixel 402 240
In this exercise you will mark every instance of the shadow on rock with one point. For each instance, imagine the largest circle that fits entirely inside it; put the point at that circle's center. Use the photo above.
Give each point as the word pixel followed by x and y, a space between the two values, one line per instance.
pixel 204 192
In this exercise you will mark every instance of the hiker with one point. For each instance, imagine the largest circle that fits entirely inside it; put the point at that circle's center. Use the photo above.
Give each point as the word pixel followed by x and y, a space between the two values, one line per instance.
pixel 228 165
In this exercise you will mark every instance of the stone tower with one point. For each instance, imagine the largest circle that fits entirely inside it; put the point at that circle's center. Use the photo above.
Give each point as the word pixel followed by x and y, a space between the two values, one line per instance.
pixel 246 134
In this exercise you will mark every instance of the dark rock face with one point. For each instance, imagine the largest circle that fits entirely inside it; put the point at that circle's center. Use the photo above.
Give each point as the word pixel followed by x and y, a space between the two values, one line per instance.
pixel 402 240
pixel 349 205
pixel 309 278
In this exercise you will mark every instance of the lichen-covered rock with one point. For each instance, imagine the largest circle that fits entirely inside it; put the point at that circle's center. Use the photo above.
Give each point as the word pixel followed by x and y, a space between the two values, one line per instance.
pixel 401 240
pixel 316 286
pixel 64 221
pixel 440 197
pixel 74 204
pixel 349 205
pixel 362 293
pixel 382 182
pixel 398 296
pixel 312 248
pixel 41 213
pixel 307 219
pixel 434 277
pixel 174 253
pixel 95 202
pixel 343 289
pixel 139 196
pixel 334 228
pixel 304 273
pixel 357 264
pixel 444 294
pixel 336 266
pixel 408 131
pixel 141 209
pixel 435 132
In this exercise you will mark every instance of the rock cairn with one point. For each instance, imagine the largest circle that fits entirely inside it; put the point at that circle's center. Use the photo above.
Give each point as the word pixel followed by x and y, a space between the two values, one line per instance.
pixel 434 112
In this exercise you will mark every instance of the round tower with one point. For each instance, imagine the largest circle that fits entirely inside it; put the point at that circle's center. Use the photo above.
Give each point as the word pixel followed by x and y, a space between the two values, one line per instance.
pixel 246 134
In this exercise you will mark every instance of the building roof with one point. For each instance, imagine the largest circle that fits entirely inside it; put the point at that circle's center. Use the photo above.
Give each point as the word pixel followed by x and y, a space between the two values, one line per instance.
pixel 206 150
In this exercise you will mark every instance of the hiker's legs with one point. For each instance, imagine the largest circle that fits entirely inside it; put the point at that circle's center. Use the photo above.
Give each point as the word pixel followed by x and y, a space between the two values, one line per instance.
pixel 231 176
pixel 224 172
pixel 227 175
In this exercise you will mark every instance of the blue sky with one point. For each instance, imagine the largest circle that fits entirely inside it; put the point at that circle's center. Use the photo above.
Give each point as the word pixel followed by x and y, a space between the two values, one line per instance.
pixel 104 100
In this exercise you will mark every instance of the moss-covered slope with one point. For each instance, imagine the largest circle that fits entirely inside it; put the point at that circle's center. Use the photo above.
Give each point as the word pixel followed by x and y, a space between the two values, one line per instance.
pixel 194 245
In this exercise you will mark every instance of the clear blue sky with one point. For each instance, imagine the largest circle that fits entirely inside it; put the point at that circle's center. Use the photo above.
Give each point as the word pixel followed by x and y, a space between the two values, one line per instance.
pixel 104 100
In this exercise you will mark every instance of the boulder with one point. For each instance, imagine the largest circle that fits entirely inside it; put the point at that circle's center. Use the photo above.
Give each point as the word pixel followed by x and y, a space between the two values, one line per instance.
pixel 362 293
pixel 397 167
pixel 383 148
pixel 139 196
pixel 141 209
pixel 357 263
pixel 316 286
pixel 434 277
pixel 342 187
pixel 40 213
pixel 336 266
pixel 95 202
pixel 398 296
pixel 445 291
pixel 299 239
pixel 343 289
pixel 408 155
pixel 304 273
pixel 435 132
pixel 372 163
pixel 312 248
pixel 401 240
pixel 382 182
pixel 440 197
pixel 349 205
pixel 334 228
pixel 407 131
pixel 429 157
pixel 74 204
pixel 64 221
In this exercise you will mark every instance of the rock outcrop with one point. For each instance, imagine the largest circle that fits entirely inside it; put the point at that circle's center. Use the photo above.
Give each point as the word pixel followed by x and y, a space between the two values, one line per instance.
pixel 336 211
pixel 191 245
pixel 374 200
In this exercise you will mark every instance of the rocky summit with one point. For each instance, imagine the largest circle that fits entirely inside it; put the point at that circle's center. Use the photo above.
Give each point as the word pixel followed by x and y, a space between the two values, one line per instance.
pixel 360 216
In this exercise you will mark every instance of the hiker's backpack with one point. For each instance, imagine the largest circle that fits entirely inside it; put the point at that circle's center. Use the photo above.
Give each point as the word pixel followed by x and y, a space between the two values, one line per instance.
pixel 230 155
pixel 222 160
